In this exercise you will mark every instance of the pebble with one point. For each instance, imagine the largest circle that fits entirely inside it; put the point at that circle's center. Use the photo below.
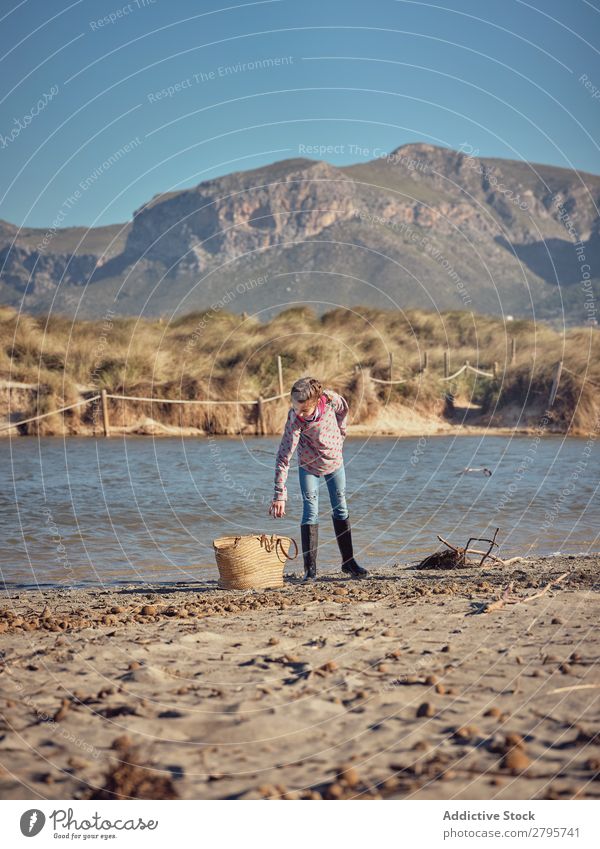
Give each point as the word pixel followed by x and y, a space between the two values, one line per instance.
pixel 448 775
pixel 122 742
pixel 512 739
pixel 62 711
pixel 77 763
pixel 466 732
pixel 149 610
pixel 349 776
pixel 432 679
pixel 515 760
pixel 335 790
pixel 426 709
pixel 266 790
pixel 493 711
pixel 439 688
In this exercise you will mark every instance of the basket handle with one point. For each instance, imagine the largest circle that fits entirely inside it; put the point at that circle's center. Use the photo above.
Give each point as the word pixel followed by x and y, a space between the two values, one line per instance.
pixel 268 543
pixel 286 554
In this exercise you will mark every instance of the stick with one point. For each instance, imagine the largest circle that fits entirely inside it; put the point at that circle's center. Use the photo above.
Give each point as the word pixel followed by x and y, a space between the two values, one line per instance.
pixel 500 602
pixel 496 559
pixel 546 588
pixel 574 687
pixel 506 595
pixel 492 544
pixel 499 560
pixel 446 543
pixel 488 554
pixel 483 539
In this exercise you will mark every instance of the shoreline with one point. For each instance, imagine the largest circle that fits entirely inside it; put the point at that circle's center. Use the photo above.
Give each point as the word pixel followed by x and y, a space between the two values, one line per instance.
pixel 210 583
pixel 166 431
pixel 398 686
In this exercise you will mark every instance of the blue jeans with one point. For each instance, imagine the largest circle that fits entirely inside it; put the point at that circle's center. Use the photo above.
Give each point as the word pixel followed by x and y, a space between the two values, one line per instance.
pixel 309 487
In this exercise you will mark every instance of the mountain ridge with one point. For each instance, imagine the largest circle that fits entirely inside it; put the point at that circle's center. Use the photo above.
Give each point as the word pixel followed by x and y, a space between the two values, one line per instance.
pixel 397 224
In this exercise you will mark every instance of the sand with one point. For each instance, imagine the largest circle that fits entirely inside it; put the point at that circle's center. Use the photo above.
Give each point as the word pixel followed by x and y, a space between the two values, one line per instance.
pixel 393 687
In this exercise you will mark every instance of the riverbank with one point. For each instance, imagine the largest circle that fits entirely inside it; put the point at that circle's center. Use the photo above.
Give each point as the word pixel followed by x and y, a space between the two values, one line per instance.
pixel 402 373
pixel 395 687
pixel 392 419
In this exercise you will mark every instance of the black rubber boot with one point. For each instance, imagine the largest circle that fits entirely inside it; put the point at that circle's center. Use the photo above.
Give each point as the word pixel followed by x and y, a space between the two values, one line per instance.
pixel 310 538
pixel 344 540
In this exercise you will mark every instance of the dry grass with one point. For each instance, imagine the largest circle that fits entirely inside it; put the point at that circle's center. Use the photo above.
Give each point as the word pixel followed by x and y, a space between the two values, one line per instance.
pixel 220 355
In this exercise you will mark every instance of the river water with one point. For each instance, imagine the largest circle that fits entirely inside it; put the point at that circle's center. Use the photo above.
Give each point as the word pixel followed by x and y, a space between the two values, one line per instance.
pixel 137 509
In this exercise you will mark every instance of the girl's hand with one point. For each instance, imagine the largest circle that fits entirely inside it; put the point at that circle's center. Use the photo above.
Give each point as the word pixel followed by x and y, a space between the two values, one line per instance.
pixel 277 509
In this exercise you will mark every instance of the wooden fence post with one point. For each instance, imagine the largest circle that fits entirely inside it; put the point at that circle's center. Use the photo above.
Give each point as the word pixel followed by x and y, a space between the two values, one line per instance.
pixel 105 421
pixel 513 350
pixel 280 374
pixel 446 369
pixel 425 361
pixel 555 383
pixel 391 365
pixel 495 369
pixel 260 420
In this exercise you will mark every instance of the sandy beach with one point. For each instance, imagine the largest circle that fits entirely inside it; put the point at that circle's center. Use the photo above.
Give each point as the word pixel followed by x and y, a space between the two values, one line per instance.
pixel 399 686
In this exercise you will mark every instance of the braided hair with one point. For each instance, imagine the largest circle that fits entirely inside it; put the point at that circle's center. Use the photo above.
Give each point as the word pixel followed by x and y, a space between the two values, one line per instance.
pixel 306 389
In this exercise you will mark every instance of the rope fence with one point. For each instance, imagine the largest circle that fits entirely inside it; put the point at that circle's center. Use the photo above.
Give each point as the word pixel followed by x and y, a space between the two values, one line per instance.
pixel 468 367
pixel 104 395
pixel 51 413
pixel 175 400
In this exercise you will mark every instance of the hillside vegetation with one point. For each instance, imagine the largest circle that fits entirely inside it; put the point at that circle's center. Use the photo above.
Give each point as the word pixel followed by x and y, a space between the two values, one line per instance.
pixel 223 356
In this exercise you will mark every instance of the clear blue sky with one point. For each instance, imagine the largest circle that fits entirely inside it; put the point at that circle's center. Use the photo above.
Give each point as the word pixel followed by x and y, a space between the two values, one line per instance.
pixel 504 77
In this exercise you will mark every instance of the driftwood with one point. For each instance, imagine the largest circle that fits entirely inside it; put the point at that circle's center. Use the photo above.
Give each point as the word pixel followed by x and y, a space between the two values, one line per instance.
pixel 507 596
pixel 443 559
pixel 573 687
pixel 456 558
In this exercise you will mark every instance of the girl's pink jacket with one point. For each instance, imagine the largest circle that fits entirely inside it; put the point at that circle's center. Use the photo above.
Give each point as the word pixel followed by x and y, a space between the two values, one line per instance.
pixel 319 443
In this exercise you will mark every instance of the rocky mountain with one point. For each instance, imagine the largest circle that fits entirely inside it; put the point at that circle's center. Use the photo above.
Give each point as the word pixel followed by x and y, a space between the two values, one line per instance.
pixel 424 226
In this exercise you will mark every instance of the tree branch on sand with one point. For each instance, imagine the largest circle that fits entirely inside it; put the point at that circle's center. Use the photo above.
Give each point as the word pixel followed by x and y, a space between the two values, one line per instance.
pixel 456 557
pixel 507 596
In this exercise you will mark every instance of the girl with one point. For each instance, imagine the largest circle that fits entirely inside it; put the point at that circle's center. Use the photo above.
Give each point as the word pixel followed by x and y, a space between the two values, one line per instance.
pixel 316 424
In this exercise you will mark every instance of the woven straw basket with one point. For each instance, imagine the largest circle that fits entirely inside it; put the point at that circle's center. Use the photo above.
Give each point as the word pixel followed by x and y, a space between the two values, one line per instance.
pixel 253 561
